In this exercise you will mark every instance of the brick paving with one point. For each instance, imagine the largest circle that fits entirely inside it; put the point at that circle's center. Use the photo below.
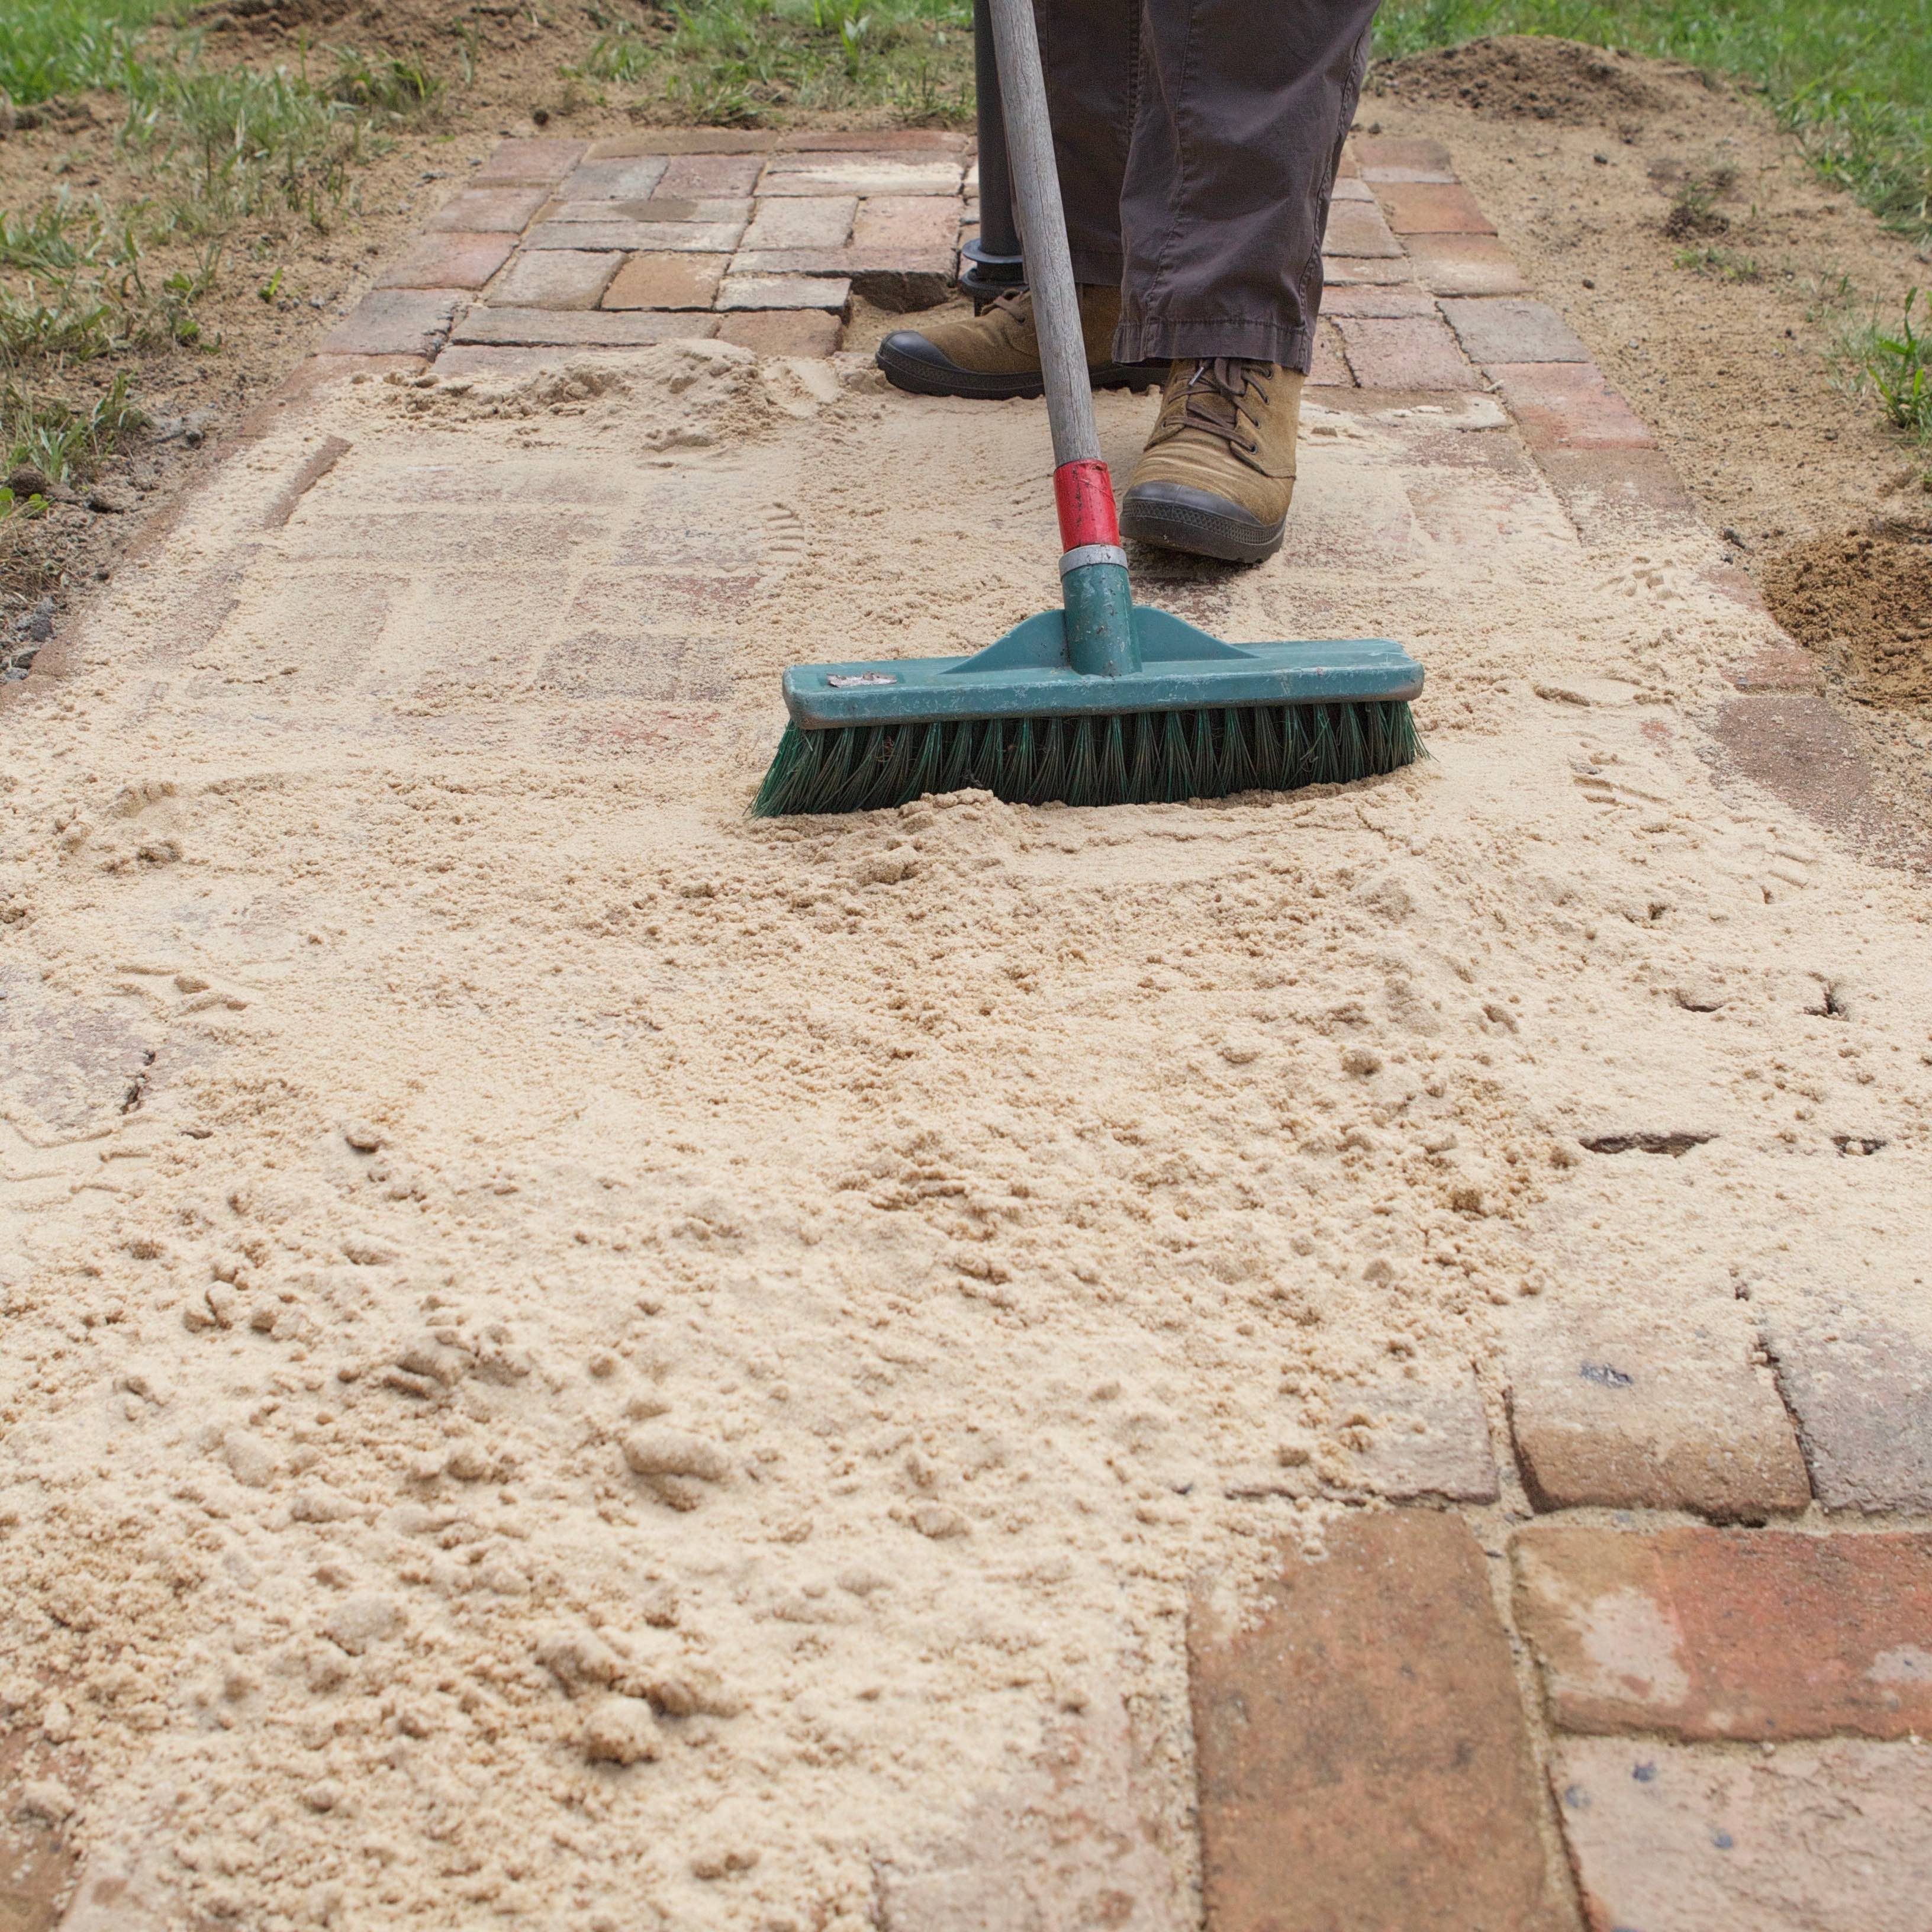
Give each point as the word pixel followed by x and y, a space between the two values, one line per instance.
pixel 1456 1715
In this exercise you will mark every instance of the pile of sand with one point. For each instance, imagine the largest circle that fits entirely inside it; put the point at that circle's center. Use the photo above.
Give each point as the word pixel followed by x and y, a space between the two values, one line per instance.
pixel 1866 601
pixel 1522 76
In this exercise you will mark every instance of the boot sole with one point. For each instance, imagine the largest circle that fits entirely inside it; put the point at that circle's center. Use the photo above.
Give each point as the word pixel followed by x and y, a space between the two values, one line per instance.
pixel 1198 530
pixel 927 379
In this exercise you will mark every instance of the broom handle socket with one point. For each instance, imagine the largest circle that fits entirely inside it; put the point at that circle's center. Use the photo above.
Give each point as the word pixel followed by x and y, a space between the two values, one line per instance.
pixel 1056 301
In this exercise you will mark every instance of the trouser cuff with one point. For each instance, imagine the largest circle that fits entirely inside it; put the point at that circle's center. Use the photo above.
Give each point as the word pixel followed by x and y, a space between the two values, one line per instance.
pixel 1148 339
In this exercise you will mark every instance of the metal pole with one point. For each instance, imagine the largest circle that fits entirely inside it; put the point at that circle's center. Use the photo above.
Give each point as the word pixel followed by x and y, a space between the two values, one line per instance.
pixel 991 264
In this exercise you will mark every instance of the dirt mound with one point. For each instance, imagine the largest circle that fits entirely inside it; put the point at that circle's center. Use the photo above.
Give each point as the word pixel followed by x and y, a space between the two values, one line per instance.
pixel 1524 77
pixel 269 16
pixel 1868 601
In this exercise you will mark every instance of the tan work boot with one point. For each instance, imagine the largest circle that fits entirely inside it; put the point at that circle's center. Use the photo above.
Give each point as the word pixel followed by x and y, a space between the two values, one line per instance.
pixel 996 354
pixel 1217 474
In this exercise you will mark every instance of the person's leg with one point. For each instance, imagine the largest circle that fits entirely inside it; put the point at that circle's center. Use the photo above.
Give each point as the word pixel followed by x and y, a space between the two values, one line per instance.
pixel 1241 111
pixel 1090 52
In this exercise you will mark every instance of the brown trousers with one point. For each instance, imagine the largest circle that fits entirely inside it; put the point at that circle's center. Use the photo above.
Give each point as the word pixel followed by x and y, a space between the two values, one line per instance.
pixel 1198 143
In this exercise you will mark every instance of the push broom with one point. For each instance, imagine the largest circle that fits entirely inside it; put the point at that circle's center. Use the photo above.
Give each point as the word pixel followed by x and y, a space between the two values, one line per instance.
pixel 1103 701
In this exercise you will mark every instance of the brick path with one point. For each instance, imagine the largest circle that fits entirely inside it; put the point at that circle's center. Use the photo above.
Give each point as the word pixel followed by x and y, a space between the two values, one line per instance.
pixel 1571 1677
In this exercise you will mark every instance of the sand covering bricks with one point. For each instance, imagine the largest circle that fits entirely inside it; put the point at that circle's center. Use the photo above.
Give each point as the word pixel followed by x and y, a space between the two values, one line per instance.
pixel 576 1359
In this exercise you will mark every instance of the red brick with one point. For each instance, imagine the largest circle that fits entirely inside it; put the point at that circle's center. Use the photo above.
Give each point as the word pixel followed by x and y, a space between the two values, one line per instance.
pixel 1431 208
pixel 449 261
pixel 558 278
pixel 490 211
pixel 1464 265
pixel 393 322
pixel 685 141
pixel 1350 167
pixel 1405 352
pixel 700 177
pixel 784 332
pixel 1860 1382
pixel 667 281
pixel 1605 1412
pixel 1710 1633
pixel 1358 1741
pixel 531 162
pixel 540 327
pixel 1356 228
pixel 1827 1838
pixel 1348 188
pixel 1390 157
pixel 910 224
pixel 1568 406
pixel 1508 329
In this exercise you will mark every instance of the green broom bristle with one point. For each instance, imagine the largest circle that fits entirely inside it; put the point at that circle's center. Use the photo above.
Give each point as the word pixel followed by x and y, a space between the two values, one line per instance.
pixel 1126 758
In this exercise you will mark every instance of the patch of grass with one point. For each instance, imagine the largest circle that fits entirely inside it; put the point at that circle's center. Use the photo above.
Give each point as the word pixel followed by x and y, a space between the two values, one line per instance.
pixel 1853 79
pixel 1693 208
pixel 1727 265
pixel 65 442
pixel 1898 365
pixel 736 62
pixel 59 46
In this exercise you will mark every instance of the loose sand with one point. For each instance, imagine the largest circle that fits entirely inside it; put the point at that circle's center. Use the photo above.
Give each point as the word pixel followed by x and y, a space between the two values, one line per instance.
pixel 573 1357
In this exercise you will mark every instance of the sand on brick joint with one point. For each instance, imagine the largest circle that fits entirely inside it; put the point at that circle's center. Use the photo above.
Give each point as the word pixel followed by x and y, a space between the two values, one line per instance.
pixel 575 1358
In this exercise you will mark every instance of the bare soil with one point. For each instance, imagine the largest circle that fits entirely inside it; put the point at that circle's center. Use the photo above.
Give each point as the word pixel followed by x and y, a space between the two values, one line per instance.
pixel 1718 312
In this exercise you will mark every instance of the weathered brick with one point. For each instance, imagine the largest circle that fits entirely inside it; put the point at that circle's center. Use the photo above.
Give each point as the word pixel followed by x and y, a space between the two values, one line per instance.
pixel 1785 666
pixel 488 360
pixel 1431 208
pixel 1741 1633
pixel 559 278
pixel 802 221
pixel 1464 265
pixel 1384 299
pixel 1824 1838
pixel 448 261
pixel 393 322
pixel 888 278
pixel 1358 1738
pixel 1329 368
pixel 754 291
pixel 897 141
pixel 571 327
pixel 1568 406
pixel 1613 1413
pixel 702 237
pixel 685 141
pixel 1614 495
pixel 1392 157
pixel 667 281
pixel 697 177
pixel 1507 328
pixel 1352 187
pixel 531 163
pixel 1349 167
pixel 489 211
pixel 910 224
pixel 784 332
pixel 1426 1437
pixel 1405 353
pixel 1071 1839
pixel 1346 271
pixel 861 174
pixel 1794 745
pixel 662 210
pixel 616 179
pixel 1860 1385
pixel 1356 228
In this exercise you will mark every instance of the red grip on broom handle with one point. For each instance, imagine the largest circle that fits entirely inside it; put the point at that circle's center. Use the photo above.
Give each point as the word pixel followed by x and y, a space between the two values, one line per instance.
pixel 1084 494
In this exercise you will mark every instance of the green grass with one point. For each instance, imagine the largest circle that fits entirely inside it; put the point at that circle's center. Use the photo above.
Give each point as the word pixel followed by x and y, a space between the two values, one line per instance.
pixel 1853 81
pixel 60 46
pixel 735 63
pixel 1894 364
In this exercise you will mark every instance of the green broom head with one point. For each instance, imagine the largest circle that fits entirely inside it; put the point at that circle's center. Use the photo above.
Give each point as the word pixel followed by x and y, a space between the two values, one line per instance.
pixel 1186 716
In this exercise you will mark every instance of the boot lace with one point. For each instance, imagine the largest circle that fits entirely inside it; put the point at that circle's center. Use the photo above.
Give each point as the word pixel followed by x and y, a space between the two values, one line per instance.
pixel 1225 397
